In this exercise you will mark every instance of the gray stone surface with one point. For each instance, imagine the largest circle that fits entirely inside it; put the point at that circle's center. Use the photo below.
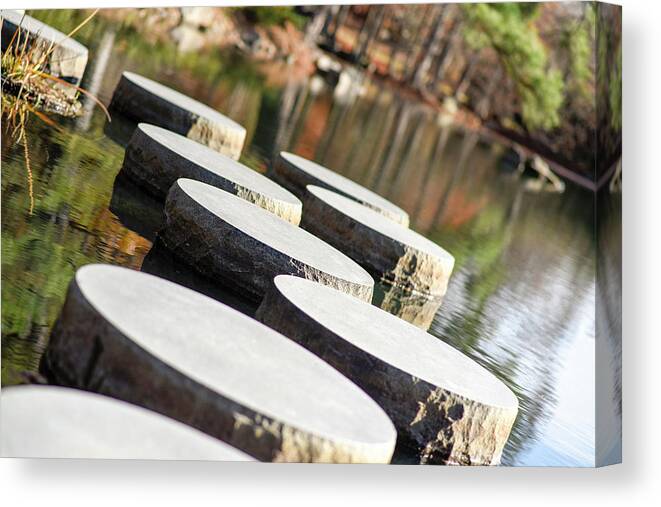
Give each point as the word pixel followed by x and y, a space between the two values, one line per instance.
pixel 155 158
pixel 295 173
pixel 56 422
pixel 145 100
pixel 153 343
pixel 68 58
pixel 446 407
pixel 243 246
pixel 388 251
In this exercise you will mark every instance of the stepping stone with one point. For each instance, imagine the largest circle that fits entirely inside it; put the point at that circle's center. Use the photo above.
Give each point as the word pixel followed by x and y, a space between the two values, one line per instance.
pixel 68 58
pixel 153 343
pixel 145 100
pixel 445 406
pixel 155 158
pixel 56 422
pixel 390 252
pixel 243 246
pixel 295 173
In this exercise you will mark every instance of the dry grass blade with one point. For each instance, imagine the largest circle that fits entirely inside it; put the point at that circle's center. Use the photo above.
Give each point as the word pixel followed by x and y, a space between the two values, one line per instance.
pixel 23 138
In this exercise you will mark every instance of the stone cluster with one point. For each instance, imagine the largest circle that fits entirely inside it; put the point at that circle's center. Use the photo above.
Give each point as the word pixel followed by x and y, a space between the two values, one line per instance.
pixel 195 360
pixel 317 373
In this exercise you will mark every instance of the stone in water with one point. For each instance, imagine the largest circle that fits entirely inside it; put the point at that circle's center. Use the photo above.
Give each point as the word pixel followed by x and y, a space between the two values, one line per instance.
pixel 445 406
pixel 243 246
pixel 295 173
pixel 145 100
pixel 67 59
pixel 56 422
pixel 155 158
pixel 392 253
pixel 153 343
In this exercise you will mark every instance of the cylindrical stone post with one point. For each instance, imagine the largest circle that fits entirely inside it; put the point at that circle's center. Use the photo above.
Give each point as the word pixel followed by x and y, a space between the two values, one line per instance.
pixel 155 158
pixel 56 422
pixel 295 173
pixel 66 58
pixel 417 269
pixel 145 100
pixel 446 407
pixel 150 342
pixel 243 246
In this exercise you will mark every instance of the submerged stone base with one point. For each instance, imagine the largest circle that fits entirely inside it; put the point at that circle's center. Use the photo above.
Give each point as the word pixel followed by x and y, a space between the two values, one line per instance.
pixel 243 246
pixel 445 406
pixel 145 100
pixel 155 158
pixel 153 343
pixel 417 309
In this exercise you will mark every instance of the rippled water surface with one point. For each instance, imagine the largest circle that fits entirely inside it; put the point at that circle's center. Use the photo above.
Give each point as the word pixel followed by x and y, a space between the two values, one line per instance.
pixel 521 299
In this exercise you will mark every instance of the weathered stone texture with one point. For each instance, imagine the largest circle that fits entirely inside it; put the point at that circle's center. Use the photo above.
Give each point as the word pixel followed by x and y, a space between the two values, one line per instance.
pixel 410 306
pixel 193 359
pixel 244 247
pixel 369 346
pixel 145 100
pixel 416 269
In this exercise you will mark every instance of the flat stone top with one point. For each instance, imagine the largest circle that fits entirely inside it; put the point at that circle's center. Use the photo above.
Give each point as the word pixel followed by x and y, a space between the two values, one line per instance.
pixel 343 184
pixel 181 100
pixel 379 223
pixel 274 232
pixel 233 355
pixel 396 342
pixel 43 30
pixel 57 422
pixel 218 163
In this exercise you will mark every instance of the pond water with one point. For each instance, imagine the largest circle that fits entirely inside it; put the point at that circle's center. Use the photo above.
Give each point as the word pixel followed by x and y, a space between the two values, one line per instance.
pixel 522 297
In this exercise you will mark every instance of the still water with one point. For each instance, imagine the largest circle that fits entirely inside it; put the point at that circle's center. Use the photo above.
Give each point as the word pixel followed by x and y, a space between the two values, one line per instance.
pixel 522 297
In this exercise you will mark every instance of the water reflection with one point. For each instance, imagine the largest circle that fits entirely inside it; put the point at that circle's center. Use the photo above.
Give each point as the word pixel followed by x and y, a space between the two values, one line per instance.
pixel 162 263
pixel 522 295
pixel 135 209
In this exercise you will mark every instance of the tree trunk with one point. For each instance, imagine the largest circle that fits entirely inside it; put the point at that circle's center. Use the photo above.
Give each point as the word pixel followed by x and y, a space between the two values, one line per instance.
pixel 447 55
pixel 432 46
pixel 339 21
pixel 318 23
pixel 424 25
pixel 467 75
pixel 370 30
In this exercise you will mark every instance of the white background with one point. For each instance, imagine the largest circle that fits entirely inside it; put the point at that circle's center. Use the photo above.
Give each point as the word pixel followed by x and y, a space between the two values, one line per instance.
pixel 60 482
